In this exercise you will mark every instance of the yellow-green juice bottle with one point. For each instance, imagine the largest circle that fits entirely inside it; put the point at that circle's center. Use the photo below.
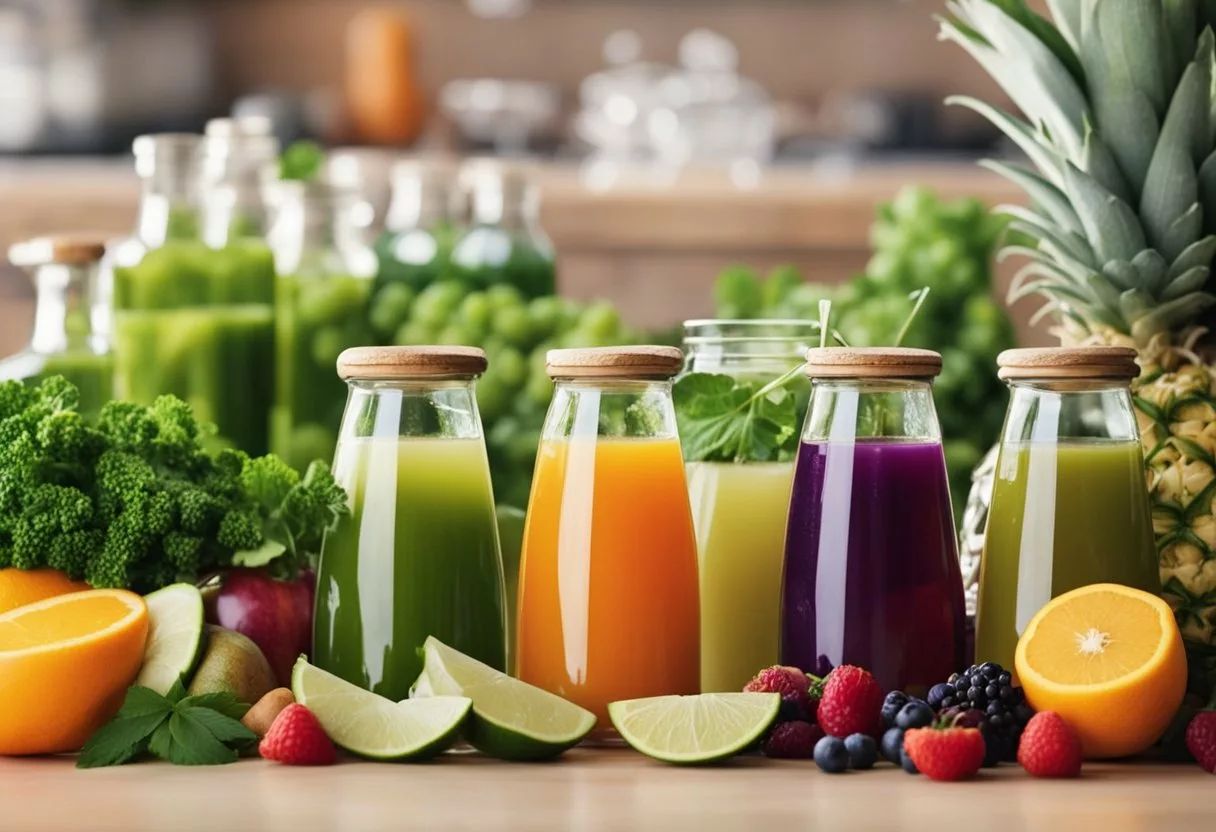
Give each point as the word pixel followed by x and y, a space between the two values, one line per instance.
pixel 1069 506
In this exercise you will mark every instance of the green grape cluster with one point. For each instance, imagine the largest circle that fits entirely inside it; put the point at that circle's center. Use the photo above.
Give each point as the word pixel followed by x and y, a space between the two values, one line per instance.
pixel 516 334
pixel 919 241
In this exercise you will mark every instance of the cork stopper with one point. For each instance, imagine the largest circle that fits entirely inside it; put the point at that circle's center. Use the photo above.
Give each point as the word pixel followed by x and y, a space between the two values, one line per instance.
pixel 401 363
pixel 63 249
pixel 648 362
pixel 1115 363
pixel 872 362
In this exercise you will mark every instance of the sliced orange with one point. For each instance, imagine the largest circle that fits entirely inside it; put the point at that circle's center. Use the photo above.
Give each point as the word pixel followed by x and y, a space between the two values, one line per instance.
pixel 19 587
pixel 65 665
pixel 1109 660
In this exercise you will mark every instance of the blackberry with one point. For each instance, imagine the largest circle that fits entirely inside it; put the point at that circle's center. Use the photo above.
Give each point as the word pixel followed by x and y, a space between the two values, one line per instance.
pixel 985 696
pixel 791 711
pixel 892 705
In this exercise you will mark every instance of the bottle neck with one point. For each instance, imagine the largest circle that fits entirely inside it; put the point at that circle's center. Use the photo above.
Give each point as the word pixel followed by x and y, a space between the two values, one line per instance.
pixel 1073 409
pixel 846 410
pixel 415 204
pixel 168 209
pixel 64 317
pixel 508 208
pixel 611 408
pixel 312 226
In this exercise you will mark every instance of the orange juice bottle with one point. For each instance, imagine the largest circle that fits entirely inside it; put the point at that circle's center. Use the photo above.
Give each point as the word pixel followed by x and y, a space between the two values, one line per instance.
pixel 608 593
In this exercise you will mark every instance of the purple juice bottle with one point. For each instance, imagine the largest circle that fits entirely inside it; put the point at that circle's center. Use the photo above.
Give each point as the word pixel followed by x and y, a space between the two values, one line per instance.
pixel 871 563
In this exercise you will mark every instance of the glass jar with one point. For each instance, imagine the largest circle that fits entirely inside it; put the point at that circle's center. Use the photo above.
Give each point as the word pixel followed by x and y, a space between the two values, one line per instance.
pixel 740 505
pixel 419 553
pixel 325 275
pixel 1069 507
pixel 191 319
pixel 504 242
pixel 70 337
pixel 871 565
pixel 608 603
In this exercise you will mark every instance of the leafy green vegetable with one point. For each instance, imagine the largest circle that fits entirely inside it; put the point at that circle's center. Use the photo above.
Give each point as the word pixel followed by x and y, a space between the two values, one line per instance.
pixel 135 500
pixel 302 161
pixel 184 730
pixel 722 419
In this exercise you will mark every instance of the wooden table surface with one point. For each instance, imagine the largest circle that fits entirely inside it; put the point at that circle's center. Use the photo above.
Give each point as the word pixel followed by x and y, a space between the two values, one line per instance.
pixel 591 791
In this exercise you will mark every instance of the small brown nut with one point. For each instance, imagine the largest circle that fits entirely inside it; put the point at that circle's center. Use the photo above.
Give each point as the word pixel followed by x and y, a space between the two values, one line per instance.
pixel 261 715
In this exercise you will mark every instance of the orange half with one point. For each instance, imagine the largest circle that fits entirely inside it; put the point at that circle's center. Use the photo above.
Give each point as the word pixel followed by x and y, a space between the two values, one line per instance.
pixel 1109 659
pixel 19 587
pixel 65 665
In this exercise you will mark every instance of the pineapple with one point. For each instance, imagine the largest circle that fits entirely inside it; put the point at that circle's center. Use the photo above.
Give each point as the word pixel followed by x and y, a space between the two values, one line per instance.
pixel 1118 99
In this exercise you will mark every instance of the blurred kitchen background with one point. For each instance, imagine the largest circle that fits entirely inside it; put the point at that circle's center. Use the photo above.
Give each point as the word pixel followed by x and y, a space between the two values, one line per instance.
pixel 669 138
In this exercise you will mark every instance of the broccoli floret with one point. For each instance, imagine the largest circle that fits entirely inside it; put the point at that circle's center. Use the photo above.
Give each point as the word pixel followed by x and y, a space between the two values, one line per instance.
pixel 240 530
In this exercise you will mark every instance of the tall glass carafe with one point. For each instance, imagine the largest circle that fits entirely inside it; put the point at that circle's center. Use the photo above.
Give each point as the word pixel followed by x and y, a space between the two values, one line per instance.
pixel 419 553
pixel 740 501
pixel 193 307
pixel 325 274
pixel 504 242
pixel 608 594
pixel 71 337
pixel 1069 507
pixel 871 564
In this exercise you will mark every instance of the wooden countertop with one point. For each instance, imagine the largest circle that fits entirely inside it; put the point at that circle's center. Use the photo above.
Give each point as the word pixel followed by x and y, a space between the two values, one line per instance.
pixel 591 791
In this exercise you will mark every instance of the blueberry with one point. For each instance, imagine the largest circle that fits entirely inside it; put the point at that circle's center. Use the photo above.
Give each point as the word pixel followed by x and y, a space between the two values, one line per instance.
pixel 891 706
pixel 863 752
pixel 906 762
pixel 893 744
pixel 915 714
pixel 831 756
pixel 939 694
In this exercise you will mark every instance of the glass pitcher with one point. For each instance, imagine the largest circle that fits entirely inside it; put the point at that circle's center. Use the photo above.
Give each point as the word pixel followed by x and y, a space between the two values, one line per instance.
pixel 419 554
pixel 70 337
pixel 1069 507
pixel 325 274
pixel 871 565
pixel 608 598
pixel 740 506
pixel 190 318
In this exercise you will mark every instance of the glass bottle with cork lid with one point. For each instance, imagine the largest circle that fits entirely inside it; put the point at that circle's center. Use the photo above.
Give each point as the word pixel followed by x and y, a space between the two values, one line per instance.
pixel 325 275
pixel 421 226
pixel 1070 506
pixel 609 601
pixel 740 494
pixel 871 563
pixel 71 325
pixel 419 553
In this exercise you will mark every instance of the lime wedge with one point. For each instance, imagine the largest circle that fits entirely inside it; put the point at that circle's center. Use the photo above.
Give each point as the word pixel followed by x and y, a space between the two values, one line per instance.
pixel 374 727
pixel 512 720
pixel 694 730
pixel 175 636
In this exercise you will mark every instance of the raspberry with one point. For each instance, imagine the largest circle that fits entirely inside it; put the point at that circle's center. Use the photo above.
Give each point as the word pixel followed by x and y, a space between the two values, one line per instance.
pixel 1201 740
pixel 1050 747
pixel 793 741
pixel 296 738
pixel 793 685
pixel 946 754
pixel 851 704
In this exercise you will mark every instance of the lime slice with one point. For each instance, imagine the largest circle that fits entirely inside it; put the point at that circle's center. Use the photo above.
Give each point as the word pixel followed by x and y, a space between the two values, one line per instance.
pixel 512 720
pixel 175 636
pixel 374 727
pixel 694 730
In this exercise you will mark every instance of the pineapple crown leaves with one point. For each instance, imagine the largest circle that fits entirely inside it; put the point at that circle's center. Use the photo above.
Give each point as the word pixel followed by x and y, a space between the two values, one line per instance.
pixel 1119 106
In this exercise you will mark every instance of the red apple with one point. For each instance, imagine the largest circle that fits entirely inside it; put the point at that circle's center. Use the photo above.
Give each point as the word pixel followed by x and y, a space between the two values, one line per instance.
pixel 276 615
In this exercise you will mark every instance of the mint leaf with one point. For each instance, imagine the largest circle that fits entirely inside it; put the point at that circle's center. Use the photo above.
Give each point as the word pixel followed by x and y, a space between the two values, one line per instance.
pixel 185 741
pixel 224 728
pixel 176 693
pixel 223 702
pixel 125 737
pixel 722 419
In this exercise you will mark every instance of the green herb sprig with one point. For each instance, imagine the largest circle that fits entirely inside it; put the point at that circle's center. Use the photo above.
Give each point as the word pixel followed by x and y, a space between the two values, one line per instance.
pixel 202 730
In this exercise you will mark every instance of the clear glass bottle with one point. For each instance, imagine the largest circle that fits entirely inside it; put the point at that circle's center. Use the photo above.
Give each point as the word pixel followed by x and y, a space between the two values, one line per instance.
pixel 740 505
pixel 419 554
pixel 420 226
pixel 609 601
pixel 191 319
pixel 70 336
pixel 871 564
pixel 504 242
pixel 325 275
pixel 1069 507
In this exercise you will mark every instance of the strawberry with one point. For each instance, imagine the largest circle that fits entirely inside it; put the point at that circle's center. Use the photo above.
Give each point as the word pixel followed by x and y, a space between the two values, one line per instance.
pixel 944 753
pixel 793 741
pixel 1201 740
pixel 1050 747
pixel 793 685
pixel 296 738
pixel 851 703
